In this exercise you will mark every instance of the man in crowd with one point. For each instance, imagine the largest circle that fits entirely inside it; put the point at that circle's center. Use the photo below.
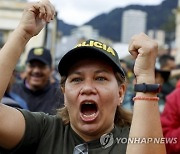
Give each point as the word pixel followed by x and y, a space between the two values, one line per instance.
pixel 167 64
pixel 36 88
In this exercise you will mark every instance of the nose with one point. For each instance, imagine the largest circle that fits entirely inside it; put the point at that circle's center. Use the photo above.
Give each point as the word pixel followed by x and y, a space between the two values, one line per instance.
pixel 88 88
pixel 36 69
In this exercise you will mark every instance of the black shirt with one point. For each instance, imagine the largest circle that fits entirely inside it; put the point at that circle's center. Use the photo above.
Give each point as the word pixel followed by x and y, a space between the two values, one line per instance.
pixel 45 100
pixel 46 134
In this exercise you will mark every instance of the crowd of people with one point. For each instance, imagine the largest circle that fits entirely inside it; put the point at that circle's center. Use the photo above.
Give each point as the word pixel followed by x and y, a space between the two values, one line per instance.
pixel 95 96
pixel 167 73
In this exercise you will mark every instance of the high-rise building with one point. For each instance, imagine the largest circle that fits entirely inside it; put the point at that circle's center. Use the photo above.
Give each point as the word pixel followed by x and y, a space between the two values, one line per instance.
pixel 158 36
pixel 10 15
pixel 133 22
pixel 86 32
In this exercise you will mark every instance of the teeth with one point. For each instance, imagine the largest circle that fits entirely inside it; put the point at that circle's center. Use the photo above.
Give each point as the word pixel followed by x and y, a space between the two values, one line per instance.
pixel 92 115
pixel 88 103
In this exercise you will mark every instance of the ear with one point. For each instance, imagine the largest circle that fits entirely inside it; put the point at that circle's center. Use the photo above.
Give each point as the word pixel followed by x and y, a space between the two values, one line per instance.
pixel 63 89
pixel 122 90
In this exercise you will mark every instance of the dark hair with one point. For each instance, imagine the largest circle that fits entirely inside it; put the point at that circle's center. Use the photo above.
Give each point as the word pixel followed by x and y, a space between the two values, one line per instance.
pixel 122 116
pixel 164 58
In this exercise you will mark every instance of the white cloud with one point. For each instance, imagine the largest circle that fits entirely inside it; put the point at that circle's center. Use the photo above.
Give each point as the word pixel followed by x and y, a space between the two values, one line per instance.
pixel 78 12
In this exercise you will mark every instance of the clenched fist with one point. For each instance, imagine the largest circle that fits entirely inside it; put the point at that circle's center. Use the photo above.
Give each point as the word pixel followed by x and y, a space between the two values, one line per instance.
pixel 144 50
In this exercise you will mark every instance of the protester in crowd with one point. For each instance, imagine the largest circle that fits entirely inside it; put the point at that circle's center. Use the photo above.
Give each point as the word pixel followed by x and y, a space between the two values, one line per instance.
pixel 161 77
pixel 129 94
pixel 37 87
pixel 170 121
pixel 170 115
pixel 167 63
pixel 12 99
pixel 175 75
pixel 93 86
pixel 19 74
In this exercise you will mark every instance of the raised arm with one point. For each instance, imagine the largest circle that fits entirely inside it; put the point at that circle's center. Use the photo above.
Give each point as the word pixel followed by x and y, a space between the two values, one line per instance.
pixel 35 16
pixel 146 126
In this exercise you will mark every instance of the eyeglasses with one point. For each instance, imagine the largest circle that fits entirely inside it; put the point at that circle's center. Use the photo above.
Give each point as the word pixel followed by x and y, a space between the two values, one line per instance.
pixel 81 149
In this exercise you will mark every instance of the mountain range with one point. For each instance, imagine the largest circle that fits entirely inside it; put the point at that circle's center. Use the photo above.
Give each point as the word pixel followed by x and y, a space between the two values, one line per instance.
pixel 109 25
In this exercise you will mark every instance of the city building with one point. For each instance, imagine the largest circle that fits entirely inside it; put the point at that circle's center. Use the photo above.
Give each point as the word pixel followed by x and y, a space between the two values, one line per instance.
pixel 133 22
pixel 78 35
pixel 86 32
pixel 10 14
pixel 157 35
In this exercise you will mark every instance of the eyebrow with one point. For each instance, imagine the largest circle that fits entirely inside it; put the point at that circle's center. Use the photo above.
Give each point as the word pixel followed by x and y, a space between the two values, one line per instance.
pixel 101 71
pixel 96 72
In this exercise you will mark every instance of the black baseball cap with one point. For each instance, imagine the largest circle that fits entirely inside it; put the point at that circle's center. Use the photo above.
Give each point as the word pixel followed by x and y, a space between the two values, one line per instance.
pixel 41 54
pixel 165 74
pixel 90 49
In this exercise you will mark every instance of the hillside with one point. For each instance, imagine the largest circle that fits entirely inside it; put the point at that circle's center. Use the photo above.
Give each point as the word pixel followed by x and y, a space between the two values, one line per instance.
pixel 65 28
pixel 109 25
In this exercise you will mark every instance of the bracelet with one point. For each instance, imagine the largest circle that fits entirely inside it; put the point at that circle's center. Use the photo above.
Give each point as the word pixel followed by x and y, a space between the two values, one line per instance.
pixel 145 98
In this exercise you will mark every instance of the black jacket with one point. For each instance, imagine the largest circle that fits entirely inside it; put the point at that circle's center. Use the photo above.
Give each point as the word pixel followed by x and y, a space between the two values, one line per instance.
pixel 46 100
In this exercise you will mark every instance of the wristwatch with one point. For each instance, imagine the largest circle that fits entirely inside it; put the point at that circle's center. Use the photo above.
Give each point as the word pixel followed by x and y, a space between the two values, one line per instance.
pixel 143 87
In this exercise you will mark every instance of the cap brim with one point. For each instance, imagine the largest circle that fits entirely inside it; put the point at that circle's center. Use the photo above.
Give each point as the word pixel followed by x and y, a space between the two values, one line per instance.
pixel 164 74
pixel 162 71
pixel 38 59
pixel 77 54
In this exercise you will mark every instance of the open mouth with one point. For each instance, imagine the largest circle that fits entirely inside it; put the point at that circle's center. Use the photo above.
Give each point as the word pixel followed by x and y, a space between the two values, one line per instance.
pixel 89 111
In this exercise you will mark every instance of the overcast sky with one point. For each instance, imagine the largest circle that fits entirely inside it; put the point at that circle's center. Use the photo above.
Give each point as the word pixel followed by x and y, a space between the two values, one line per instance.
pixel 77 12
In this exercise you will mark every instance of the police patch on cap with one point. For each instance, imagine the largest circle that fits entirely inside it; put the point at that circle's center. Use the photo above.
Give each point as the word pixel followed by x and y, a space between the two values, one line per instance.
pixel 38 51
pixel 90 48
pixel 98 45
